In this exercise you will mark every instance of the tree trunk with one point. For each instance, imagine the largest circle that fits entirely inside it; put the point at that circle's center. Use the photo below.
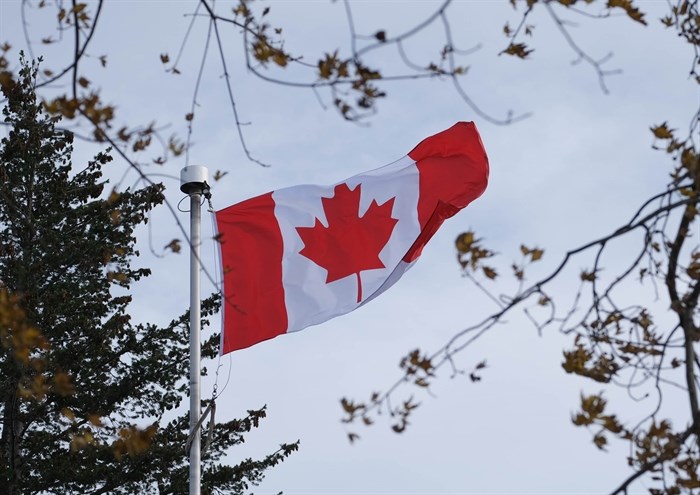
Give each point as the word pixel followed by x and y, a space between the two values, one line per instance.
pixel 10 444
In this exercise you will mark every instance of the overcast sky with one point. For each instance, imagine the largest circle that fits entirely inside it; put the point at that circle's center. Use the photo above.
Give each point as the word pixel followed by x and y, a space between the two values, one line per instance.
pixel 575 170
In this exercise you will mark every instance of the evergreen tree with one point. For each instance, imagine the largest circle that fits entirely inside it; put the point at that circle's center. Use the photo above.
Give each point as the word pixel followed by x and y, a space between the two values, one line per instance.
pixel 85 391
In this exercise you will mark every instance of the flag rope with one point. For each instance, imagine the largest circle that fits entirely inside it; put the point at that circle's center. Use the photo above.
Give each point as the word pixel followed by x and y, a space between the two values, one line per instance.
pixel 218 270
pixel 211 407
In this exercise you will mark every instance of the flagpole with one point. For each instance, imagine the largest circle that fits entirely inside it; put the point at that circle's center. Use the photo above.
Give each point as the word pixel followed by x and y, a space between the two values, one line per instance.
pixel 193 182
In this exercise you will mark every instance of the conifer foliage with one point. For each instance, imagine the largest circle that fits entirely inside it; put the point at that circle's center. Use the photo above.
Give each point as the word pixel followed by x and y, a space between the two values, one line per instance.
pixel 87 395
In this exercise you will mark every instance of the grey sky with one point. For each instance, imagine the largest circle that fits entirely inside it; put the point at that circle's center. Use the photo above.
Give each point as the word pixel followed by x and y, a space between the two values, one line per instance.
pixel 576 169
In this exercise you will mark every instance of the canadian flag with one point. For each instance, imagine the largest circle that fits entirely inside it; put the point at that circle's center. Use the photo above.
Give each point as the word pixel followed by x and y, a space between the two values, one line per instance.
pixel 299 256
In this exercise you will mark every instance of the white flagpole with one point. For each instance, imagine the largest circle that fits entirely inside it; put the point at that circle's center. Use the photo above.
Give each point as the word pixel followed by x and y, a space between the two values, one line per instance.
pixel 193 182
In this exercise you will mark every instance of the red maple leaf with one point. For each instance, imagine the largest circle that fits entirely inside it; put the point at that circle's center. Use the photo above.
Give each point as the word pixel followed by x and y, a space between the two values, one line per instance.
pixel 350 244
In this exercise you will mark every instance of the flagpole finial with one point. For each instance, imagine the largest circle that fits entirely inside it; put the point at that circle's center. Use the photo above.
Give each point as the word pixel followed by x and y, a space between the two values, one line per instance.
pixel 193 179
